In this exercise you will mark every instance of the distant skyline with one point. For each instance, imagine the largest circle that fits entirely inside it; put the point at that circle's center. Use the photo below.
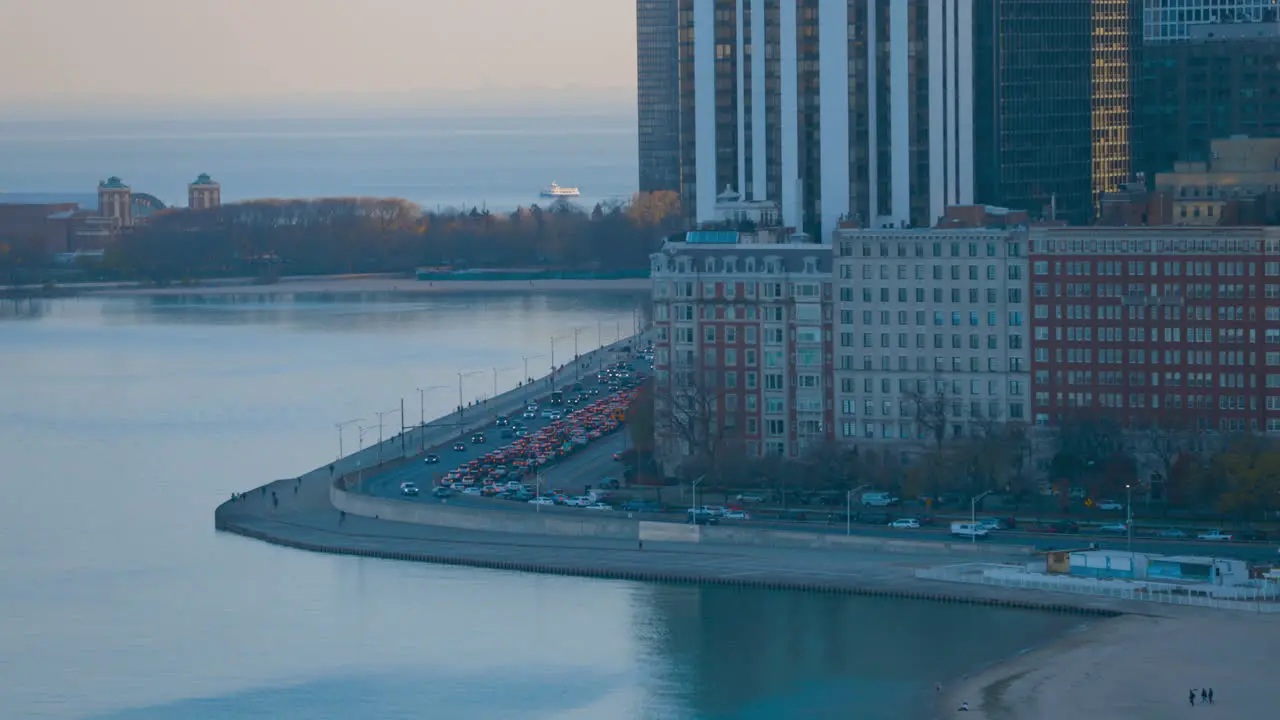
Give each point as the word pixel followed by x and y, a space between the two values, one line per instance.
pixel 66 56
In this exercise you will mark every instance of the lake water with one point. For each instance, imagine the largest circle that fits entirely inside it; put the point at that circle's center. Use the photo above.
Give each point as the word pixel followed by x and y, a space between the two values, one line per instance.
pixel 124 422
pixel 441 161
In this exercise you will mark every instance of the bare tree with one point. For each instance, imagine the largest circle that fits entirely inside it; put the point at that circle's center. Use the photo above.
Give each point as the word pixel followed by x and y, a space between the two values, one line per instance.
pixel 928 400
pixel 1164 443
pixel 692 415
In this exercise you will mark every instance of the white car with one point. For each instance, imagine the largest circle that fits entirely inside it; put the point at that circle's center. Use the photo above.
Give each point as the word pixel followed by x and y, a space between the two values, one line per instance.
pixel 751 498
pixel 598 506
pixel 1117 528
pixel 737 515
pixel 906 523
pixel 409 489
pixel 1216 535
pixel 579 501
pixel 542 501
pixel 1110 505
pixel 473 490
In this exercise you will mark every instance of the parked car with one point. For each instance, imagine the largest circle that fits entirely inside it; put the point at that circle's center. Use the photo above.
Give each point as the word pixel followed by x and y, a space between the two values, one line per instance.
pixel 1114 528
pixel 1109 505
pixel 608 484
pixel 703 519
pixel 1172 533
pixel 431 459
pixel 1216 535
pixel 750 498
pixel 878 499
pixel 905 524
pixel 542 501
pixel 640 506
pixel 598 506
pixel 409 489
pixel 969 530
pixel 737 515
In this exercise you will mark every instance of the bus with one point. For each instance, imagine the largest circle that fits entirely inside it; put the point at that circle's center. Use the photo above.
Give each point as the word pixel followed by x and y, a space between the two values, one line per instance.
pixel 557 397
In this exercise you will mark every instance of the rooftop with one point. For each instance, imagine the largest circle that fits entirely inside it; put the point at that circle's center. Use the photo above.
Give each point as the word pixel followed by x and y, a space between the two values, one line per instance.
pixel 112 183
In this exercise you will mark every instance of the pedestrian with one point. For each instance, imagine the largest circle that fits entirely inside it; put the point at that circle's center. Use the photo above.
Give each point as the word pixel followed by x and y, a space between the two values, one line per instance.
pixel 275 501
pixel 295 489
pixel 1192 697
pixel 1210 696
pixel 937 688
pixel 330 469
pixel 264 491
pixel 640 545
pixel 1204 696
pixel 342 515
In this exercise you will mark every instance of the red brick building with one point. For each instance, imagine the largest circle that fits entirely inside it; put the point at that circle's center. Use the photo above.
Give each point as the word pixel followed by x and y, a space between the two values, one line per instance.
pixel 1175 326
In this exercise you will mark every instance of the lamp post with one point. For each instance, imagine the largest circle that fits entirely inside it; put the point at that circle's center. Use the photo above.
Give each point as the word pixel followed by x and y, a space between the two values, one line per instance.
pixel 381 415
pixel 340 426
pixel 973 516
pixel 526 359
pixel 554 338
pixel 576 332
pixel 848 508
pixel 695 498
pixel 461 404
pixel 422 413
pixel 495 379
pixel 1128 522
pixel 359 460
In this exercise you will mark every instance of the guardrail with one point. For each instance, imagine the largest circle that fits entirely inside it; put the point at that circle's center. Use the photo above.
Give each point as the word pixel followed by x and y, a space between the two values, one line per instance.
pixel 1262 598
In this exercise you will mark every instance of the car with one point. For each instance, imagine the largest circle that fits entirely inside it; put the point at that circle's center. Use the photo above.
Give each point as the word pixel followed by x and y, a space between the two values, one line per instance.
pixel 1172 533
pixel 598 506
pixel 737 515
pixel 502 420
pixel 529 414
pixel 703 519
pixel 1216 535
pixel 409 489
pixel 905 524
pixel 641 506
pixel 1114 528
pixel 750 498
pixel 442 492
pixel 459 447
pixel 477 439
pixel 608 483
pixel 473 490
pixel 542 501
pixel 431 459
pixel 1110 505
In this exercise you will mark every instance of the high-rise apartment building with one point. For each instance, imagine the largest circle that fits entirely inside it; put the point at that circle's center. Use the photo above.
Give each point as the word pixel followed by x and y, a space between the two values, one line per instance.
pixel 657 95
pixel 933 334
pixel 742 345
pixel 885 112
pixel 1211 82
pixel 1174 20
pixel 1173 326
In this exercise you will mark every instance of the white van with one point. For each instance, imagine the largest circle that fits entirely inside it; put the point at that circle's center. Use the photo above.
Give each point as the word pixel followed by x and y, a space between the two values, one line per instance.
pixel 969 530
pixel 878 499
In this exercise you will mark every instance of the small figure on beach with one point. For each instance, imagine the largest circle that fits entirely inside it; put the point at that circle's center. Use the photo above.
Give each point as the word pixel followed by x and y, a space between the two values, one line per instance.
pixel 1204 696
pixel 937 687
pixel 1192 697
pixel 1210 696
pixel 275 501
pixel 330 469
pixel 639 544
pixel 342 515
pixel 964 707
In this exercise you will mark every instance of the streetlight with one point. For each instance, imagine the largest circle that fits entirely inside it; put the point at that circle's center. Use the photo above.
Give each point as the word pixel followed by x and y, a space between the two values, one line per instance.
pixel 576 331
pixel 1128 523
pixel 848 508
pixel 554 338
pixel 422 413
pixel 340 426
pixel 381 415
pixel 526 359
pixel 973 516
pixel 359 460
pixel 462 375
pixel 495 379
pixel 695 498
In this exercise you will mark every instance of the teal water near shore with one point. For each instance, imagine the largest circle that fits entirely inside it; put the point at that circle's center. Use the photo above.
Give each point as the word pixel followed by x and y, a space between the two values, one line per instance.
pixel 125 421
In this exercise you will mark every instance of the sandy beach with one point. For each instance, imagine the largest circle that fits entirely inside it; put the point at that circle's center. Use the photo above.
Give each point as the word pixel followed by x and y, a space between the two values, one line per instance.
pixel 1137 667
pixel 359 284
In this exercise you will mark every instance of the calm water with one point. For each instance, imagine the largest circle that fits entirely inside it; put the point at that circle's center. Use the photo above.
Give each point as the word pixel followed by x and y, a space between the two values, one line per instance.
pixel 501 161
pixel 124 422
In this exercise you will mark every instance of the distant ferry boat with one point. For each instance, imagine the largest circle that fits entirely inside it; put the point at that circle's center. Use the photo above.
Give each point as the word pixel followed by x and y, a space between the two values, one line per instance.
pixel 555 191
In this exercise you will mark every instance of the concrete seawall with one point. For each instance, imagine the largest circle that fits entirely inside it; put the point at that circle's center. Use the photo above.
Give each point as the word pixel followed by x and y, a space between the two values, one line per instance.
pixel 581 523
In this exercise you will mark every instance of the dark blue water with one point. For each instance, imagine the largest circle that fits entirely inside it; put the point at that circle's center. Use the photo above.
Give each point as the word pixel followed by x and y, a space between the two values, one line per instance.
pixel 499 161
pixel 124 422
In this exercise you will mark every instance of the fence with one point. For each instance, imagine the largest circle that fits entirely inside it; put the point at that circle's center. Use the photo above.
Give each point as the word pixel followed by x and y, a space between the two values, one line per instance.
pixel 1263 597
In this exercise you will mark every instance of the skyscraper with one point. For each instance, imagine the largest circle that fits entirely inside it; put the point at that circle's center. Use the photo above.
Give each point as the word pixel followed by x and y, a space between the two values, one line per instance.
pixel 657 90
pixel 885 112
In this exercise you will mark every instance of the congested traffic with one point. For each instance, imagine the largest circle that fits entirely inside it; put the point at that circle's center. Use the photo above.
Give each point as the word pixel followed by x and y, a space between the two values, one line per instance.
pixel 577 416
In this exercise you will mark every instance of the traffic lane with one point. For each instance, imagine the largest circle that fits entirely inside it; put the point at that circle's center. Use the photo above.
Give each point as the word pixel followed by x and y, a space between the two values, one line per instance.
pixel 387 484
pixel 589 466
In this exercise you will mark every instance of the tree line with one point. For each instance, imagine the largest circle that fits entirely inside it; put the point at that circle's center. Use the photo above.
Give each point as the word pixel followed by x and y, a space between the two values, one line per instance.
pixel 1166 468
pixel 368 235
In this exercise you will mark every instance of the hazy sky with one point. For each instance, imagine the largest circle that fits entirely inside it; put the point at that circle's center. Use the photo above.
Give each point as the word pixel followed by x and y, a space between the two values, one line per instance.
pixel 185 52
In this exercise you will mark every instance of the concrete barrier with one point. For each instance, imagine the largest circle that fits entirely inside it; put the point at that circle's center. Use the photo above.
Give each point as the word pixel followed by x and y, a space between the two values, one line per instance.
pixel 570 524
pixel 670 532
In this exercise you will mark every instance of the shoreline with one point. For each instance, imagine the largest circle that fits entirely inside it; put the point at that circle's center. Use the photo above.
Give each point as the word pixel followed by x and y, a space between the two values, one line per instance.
pixel 338 285
pixel 1133 666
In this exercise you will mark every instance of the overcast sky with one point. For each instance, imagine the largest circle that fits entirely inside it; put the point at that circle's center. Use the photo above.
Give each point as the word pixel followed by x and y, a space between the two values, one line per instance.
pixel 196 52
